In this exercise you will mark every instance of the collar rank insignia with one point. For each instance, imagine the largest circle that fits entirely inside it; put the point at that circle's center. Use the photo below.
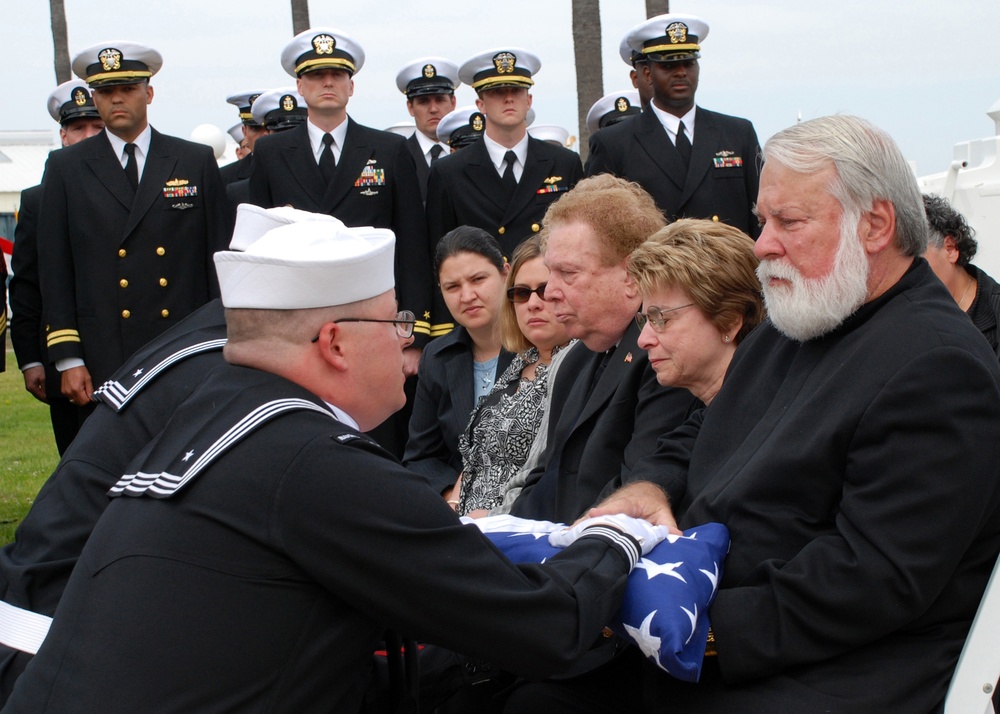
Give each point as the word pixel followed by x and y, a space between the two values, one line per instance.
pixel 622 105
pixel 429 71
pixel 476 122
pixel 110 59
pixel 79 97
pixel 288 103
pixel 677 32
pixel 504 62
pixel 324 44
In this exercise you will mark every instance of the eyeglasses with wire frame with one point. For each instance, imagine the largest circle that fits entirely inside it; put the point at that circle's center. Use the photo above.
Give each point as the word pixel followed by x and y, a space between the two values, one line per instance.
pixel 403 322
pixel 520 293
pixel 656 316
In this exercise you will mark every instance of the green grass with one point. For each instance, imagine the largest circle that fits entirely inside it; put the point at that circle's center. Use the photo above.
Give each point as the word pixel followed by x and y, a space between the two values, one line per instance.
pixel 27 449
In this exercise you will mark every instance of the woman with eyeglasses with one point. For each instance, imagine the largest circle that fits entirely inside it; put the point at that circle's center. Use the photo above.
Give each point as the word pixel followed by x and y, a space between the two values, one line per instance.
pixel 700 298
pixel 459 367
pixel 496 442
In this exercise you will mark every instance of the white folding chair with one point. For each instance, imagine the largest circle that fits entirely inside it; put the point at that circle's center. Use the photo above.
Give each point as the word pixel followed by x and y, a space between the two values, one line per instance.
pixel 975 681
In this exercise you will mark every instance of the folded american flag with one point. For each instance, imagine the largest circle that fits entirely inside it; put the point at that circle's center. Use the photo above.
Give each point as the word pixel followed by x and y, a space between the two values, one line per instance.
pixel 665 609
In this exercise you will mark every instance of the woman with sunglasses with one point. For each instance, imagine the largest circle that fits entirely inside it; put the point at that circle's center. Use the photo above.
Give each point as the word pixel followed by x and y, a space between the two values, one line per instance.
pixel 496 442
pixel 459 367
pixel 700 298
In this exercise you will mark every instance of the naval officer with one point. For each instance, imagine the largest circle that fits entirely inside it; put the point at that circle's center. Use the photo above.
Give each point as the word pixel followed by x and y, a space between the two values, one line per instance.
pixel 331 164
pixel 694 162
pixel 131 219
pixel 72 105
pixel 365 177
pixel 429 84
pixel 504 183
pixel 250 131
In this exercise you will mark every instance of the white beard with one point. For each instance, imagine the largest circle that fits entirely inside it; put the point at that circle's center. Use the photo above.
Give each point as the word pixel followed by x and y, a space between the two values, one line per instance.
pixel 807 308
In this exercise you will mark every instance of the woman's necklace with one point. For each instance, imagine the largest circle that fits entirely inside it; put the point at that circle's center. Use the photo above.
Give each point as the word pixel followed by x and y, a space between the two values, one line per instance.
pixel 968 285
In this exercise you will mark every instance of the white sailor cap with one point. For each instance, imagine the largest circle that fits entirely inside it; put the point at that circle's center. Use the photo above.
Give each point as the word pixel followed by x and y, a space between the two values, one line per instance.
pixel 72 100
pixel 461 127
pixel 613 108
pixel 502 67
pixel 529 117
pixel 322 48
pixel 403 128
pixel 116 62
pixel 669 38
pixel 307 265
pixel 279 109
pixel 549 132
pixel 236 132
pixel 428 75
pixel 244 102
pixel 252 222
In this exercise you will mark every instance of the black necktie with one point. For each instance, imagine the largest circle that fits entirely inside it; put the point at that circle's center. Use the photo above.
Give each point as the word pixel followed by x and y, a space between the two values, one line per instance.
pixel 683 146
pixel 508 180
pixel 132 166
pixel 326 161
pixel 436 153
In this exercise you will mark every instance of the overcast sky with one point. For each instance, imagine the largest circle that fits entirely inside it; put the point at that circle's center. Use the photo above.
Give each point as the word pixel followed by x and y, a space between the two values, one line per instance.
pixel 927 72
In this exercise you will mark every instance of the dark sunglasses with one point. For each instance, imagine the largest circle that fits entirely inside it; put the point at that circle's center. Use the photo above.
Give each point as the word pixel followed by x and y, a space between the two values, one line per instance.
pixel 519 293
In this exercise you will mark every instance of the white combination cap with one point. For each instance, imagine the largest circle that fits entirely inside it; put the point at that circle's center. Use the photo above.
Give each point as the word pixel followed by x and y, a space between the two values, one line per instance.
pixel 72 100
pixel 116 62
pixel 322 48
pixel 428 75
pixel 502 67
pixel 668 38
pixel 613 108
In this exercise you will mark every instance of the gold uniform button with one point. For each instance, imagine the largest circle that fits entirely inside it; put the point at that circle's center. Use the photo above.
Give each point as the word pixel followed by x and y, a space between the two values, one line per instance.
pixel 122 253
pixel 164 313
pixel 123 282
pixel 715 218
pixel 535 228
pixel 501 230
pixel 160 251
pixel 126 314
pixel 163 282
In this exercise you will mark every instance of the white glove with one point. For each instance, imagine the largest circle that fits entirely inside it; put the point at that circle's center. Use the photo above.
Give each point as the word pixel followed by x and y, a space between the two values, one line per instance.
pixel 648 535
pixel 511 524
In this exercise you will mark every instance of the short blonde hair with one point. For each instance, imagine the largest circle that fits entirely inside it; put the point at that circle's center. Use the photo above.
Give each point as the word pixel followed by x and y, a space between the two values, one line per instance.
pixel 511 337
pixel 622 214
pixel 711 262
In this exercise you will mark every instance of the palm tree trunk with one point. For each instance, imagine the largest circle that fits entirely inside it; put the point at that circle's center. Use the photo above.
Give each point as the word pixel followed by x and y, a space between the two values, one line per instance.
pixel 60 43
pixel 589 68
pixel 300 16
pixel 657 7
